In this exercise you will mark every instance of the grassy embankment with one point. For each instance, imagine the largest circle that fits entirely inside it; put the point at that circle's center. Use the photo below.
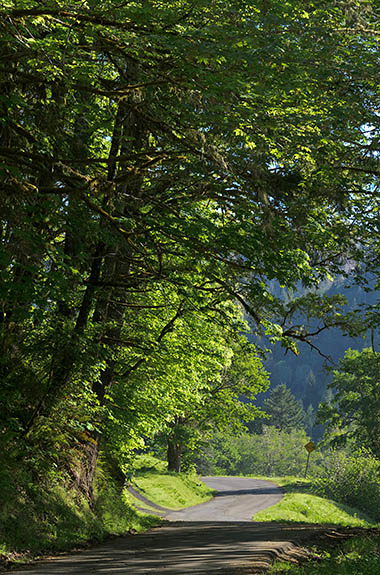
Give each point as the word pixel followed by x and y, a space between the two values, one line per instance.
pixel 356 556
pixel 169 490
pixel 37 519
pixel 301 504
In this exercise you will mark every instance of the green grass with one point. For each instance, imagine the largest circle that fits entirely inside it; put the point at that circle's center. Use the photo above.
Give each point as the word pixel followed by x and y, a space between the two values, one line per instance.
pixel 118 515
pixel 137 503
pixel 172 490
pixel 302 506
pixel 357 556
pixel 57 520
pixel 38 519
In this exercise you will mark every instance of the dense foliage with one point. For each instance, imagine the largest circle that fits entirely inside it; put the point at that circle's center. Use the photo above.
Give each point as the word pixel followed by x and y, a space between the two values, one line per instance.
pixel 160 165
pixel 286 413
pixel 353 413
pixel 353 479
pixel 271 453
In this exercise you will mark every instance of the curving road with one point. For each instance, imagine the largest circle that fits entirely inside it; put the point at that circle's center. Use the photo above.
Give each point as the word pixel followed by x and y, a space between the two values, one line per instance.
pixel 237 499
pixel 214 537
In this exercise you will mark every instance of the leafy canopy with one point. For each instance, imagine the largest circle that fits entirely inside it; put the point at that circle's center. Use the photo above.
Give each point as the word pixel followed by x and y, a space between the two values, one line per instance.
pixel 354 411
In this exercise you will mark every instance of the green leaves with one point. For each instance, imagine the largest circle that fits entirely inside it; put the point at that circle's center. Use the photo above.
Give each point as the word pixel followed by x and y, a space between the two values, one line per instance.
pixel 161 164
pixel 353 413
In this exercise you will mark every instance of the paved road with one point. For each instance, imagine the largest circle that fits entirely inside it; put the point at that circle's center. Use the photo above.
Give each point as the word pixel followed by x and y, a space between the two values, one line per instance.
pixel 220 540
pixel 238 499
pixel 185 548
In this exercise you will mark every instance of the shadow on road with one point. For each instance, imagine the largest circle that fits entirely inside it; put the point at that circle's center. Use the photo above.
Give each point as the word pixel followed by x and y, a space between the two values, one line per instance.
pixel 190 547
pixel 254 491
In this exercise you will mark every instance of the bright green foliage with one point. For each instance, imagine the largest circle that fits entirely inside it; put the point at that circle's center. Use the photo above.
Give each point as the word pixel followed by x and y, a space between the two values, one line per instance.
pixel 223 400
pixel 160 163
pixel 286 413
pixel 354 410
pixel 353 480
pixel 188 387
pixel 271 453
pixel 357 556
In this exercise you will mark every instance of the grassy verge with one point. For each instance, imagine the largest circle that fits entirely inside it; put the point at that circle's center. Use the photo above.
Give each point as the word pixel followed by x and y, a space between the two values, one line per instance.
pixel 137 504
pixel 170 490
pixel 37 519
pixel 57 520
pixel 357 556
pixel 302 506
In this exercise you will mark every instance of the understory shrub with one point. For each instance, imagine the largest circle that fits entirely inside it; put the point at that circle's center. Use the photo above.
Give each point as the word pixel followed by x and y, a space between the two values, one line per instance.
pixel 353 479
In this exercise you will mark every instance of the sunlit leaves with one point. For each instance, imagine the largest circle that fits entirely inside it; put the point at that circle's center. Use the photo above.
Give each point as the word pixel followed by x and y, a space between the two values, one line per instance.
pixel 161 161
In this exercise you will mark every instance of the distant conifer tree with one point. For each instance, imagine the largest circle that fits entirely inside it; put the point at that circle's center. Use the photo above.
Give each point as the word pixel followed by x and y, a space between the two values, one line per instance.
pixel 285 410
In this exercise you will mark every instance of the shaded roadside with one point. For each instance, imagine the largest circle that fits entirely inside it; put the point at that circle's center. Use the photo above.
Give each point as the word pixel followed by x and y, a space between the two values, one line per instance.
pixel 196 547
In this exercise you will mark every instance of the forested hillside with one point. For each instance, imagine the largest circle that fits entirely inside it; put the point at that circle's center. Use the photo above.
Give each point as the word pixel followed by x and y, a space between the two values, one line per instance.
pixel 162 167
pixel 308 374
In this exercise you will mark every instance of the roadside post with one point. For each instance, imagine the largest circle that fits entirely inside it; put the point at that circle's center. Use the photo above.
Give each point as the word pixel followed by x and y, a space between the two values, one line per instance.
pixel 309 448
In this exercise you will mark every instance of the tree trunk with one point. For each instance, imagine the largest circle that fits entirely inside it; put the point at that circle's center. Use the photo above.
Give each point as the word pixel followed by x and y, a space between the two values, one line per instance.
pixel 109 306
pixel 83 475
pixel 174 456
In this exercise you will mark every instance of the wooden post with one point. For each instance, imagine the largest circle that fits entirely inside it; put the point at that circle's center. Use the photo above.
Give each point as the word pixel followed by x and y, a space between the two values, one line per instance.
pixel 309 448
pixel 307 463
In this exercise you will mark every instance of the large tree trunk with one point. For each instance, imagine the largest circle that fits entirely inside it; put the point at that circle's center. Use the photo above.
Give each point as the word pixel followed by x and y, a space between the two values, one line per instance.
pixel 128 135
pixel 174 456
pixel 84 475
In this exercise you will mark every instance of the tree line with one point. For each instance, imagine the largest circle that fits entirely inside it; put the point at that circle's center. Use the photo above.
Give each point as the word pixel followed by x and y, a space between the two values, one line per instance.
pixel 160 165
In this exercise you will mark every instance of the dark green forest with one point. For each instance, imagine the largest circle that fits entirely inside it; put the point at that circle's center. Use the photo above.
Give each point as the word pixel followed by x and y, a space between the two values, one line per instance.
pixel 308 375
pixel 182 186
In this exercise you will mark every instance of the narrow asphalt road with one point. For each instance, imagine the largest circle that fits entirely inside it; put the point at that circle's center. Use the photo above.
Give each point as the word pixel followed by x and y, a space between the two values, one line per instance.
pixel 238 499
pixel 214 537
